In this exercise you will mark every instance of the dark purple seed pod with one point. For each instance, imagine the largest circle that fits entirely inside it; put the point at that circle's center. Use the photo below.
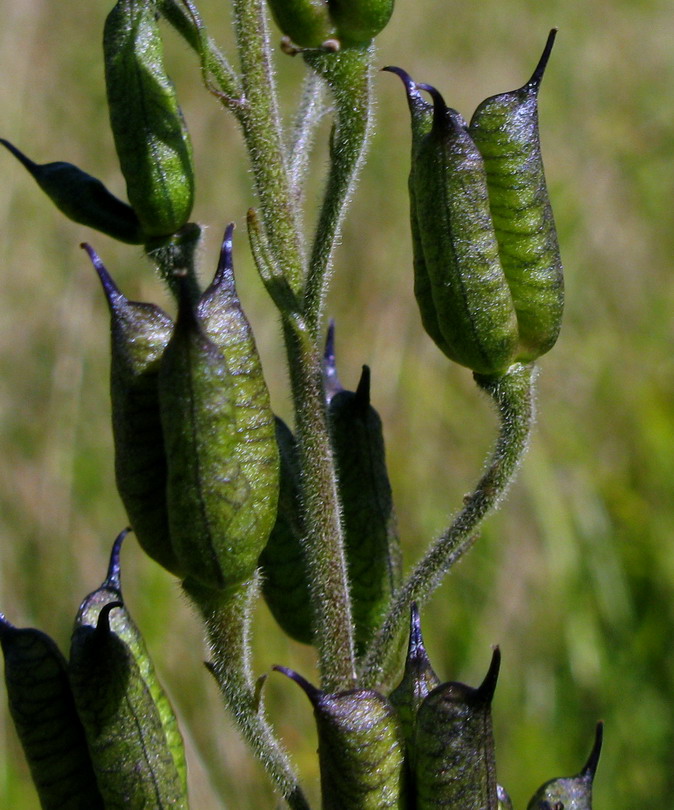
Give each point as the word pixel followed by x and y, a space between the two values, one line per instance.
pixel 454 746
pixel 360 748
pixel 139 335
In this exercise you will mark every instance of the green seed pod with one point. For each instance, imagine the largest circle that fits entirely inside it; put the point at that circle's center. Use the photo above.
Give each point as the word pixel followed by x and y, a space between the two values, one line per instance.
pixel 219 437
pixel 83 198
pixel 42 707
pixel 505 130
pixel 422 121
pixel 133 737
pixel 225 323
pixel 573 792
pixel 371 541
pixel 285 584
pixel 360 748
pixel 469 292
pixel 139 334
pixel 454 745
pixel 152 143
pixel 306 22
pixel 359 21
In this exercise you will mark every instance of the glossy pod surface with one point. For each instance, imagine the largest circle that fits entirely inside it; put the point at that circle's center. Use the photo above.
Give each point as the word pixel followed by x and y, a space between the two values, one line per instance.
pixel 505 130
pixel 309 23
pixel 285 583
pixel 469 293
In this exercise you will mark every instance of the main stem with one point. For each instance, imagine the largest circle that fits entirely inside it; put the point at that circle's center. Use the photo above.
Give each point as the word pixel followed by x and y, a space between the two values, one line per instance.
pixel 323 545
pixel 513 395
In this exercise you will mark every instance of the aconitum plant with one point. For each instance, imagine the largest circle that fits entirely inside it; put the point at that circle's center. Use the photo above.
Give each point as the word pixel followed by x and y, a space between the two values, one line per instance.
pixel 240 506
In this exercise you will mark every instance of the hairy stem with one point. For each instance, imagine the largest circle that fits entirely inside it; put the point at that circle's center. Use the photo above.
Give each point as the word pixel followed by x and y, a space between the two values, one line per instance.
pixel 348 75
pixel 309 114
pixel 228 617
pixel 324 546
pixel 513 395
pixel 259 117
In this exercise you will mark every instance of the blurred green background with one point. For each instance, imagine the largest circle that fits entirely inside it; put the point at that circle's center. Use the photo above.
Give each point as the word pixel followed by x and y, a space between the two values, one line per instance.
pixel 574 578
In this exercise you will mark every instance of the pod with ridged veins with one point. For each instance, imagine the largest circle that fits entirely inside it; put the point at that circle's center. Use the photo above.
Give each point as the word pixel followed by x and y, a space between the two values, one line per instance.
pixel 360 748
pixel 487 269
pixel 454 747
pixel 219 436
pixel 139 334
pixel 505 130
pixel 421 113
pixel 468 290
pixel 571 792
pixel 83 198
pixel 151 139
pixel 311 23
pixel 133 737
pixel 49 728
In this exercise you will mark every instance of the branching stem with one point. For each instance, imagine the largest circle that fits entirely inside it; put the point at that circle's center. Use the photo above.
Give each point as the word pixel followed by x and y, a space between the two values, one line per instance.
pixel 513 395
pixel 227 618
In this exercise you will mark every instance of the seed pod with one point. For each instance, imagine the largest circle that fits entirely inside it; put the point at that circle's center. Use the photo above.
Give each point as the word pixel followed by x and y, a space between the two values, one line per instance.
pixel 370 536
pixel 139 335
pixel 225 323
pixel 469 292
pixel 360 748
pixel 422 121
pixel 306 22
pixel 46 721
pixel 310 23
pixel 133 737
pixel 419 680
pixel 417 683
pixel 454 745
pixel 83 198
pixel 285 584
pixel 359 21
pixel 573 792
pixel 505 130
pixel 152 143
pixel 219 436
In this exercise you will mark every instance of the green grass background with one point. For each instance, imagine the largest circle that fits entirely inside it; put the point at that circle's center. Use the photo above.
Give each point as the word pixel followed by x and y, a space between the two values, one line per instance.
pixel 575 576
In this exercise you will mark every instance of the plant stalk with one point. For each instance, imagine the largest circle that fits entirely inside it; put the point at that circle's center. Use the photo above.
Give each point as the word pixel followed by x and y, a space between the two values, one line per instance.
pixel 227 617
pixel 513 395
pixel 348 75
pixel 259 117
pixel 324 545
